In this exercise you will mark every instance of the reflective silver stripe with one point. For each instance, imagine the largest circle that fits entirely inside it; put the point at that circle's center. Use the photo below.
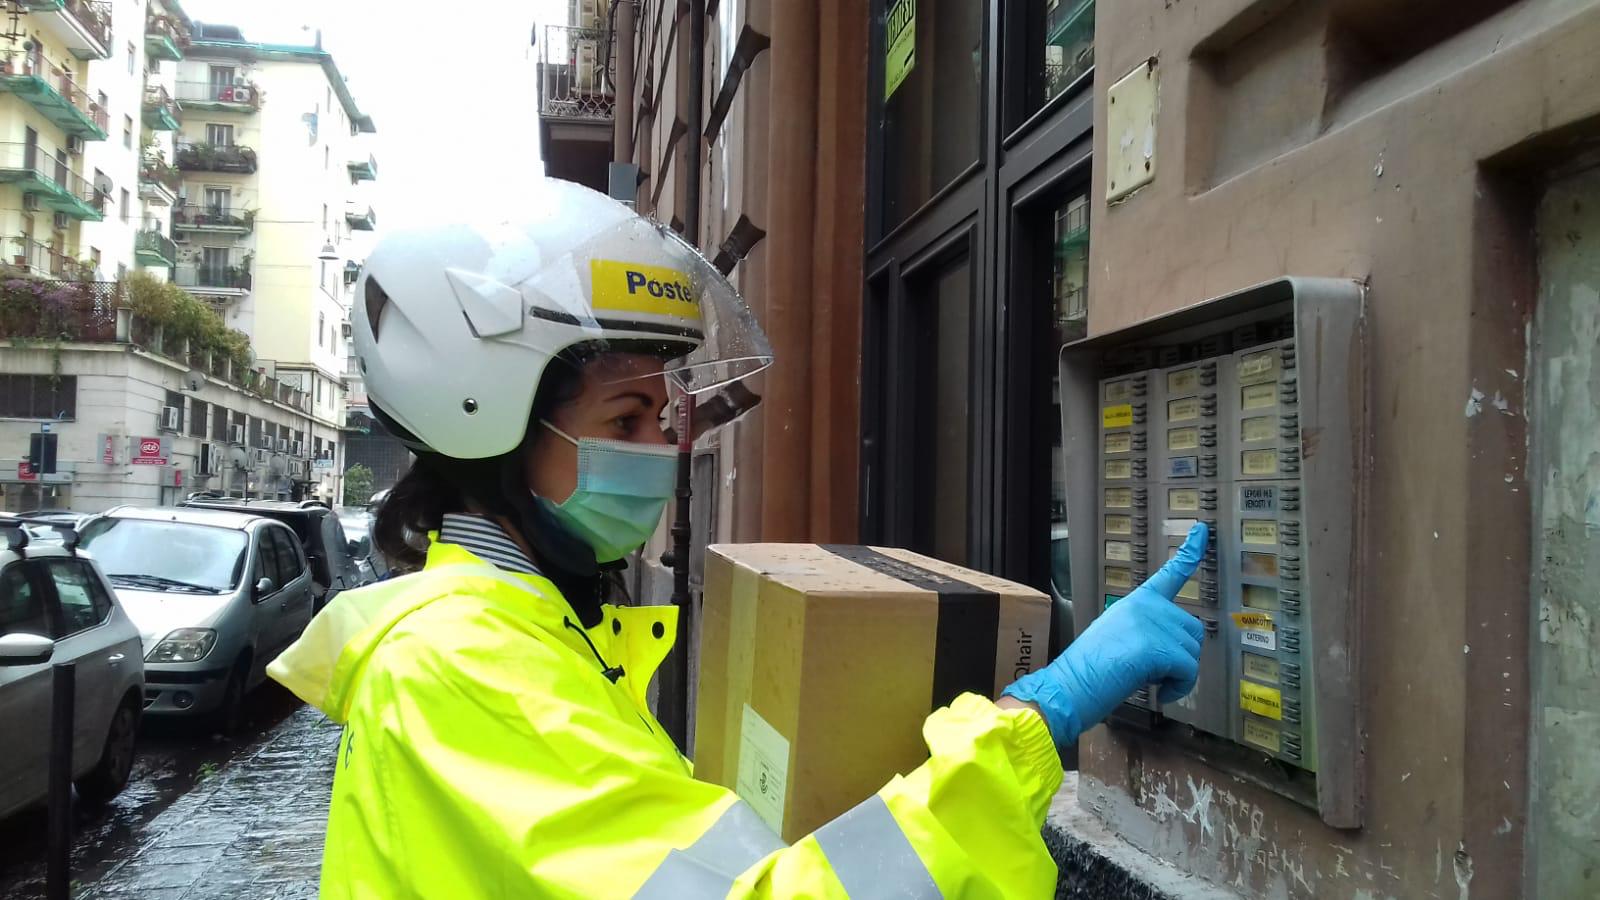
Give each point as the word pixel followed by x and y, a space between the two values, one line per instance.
pixel 736 841
pixel 871 856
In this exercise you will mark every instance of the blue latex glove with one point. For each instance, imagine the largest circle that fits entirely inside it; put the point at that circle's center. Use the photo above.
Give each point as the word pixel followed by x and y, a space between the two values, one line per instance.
pixel 1144 638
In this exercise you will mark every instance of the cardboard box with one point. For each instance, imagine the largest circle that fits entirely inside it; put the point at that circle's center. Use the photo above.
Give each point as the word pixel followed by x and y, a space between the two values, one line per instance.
pixel 819 664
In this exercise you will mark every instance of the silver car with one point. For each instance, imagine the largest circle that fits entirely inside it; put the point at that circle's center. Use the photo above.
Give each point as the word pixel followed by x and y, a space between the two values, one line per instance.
pixel 55 606
pixel 216 595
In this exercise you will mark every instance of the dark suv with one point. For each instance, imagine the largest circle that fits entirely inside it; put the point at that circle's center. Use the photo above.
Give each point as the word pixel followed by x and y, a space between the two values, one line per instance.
pixel 331 555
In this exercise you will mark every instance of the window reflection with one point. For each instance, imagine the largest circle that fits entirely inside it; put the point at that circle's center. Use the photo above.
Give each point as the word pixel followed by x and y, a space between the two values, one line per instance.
pixel 1069 281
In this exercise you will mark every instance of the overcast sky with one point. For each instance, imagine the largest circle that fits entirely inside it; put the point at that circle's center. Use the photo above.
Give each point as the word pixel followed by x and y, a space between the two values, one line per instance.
pixel 450 86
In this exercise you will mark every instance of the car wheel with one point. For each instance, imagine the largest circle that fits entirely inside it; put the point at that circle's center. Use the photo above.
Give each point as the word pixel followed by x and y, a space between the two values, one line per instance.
pixel 110 775
pixel 230 714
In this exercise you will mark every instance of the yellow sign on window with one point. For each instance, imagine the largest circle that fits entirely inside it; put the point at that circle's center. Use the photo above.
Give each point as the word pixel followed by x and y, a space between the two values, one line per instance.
pixel 900 45
pixel 1119 442
pixel 1119 498
pixel 1264 701
pixel 1183 381
pixel 1119 469
pixel 1261 531
pixel 1119 416
pixel 1262 735
pixel 1183 500
pixel 1183 438
pixel 1183 410
pixel 1259 396
pixel 1119 525
pixel 1259 428
pixel 1260 462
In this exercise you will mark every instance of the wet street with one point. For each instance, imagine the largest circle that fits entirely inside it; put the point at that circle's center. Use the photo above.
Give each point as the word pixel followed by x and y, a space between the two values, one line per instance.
pixel 202 817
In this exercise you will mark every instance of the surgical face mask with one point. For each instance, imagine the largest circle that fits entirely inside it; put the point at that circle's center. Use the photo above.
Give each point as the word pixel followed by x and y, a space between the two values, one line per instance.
pixel 622 489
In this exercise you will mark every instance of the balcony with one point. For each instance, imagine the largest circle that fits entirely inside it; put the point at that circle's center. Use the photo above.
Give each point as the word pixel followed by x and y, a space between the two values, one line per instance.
pixel 165 38
pixel 29 168
pixel 159 182
pixel 573 82
pixel 234 158
pixel 363 171
pixel 221 279
pixel 39 258
pixel 83 25
pixel 361 221
pixel 213 219
pixel 241 96
pixel 52 91
pixel 154 249
pixel 161 112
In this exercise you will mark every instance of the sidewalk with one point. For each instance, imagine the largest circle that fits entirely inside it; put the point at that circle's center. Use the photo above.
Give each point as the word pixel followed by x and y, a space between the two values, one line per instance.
pixel 252 830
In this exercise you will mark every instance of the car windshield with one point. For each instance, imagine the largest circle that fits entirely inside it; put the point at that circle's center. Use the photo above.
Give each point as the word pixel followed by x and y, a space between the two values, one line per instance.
pixel 167 556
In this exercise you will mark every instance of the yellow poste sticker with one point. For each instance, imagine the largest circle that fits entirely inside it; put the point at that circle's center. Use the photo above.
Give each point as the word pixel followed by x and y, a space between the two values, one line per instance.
pixel 653 290
pixel 1253 621
pixel 1119 416
pixel 1262 700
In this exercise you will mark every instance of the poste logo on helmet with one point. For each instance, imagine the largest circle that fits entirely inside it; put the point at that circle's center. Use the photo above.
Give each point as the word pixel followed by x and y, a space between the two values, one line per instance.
pixel 651 290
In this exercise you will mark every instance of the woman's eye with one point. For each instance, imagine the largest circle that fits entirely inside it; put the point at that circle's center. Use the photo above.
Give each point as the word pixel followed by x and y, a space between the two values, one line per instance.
pixel 623 423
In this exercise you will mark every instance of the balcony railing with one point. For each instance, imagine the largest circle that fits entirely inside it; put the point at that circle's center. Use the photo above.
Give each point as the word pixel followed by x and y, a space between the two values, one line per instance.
pixel 232 277
pixel 161 112
pixel 242 96
pixel 235 158
pixel 152 248
pixel 359 220
pixel 201 217
pixel 363 169
pixel 28 167
pixel 92 17
pixel 42 259
pixel 165 37
pixel 157 171
pixel 52 91
pixel 573 79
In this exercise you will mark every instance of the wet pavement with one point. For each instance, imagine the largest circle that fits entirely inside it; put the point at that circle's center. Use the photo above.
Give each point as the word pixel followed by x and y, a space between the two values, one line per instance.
pixel 202 817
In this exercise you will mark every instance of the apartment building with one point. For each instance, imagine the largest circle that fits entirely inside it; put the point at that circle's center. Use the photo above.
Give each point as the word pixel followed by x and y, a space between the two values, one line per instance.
pixel 194 176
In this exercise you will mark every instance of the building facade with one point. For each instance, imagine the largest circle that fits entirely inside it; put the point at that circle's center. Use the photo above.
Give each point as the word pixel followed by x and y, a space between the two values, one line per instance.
pixel 194 178
pixel 924 202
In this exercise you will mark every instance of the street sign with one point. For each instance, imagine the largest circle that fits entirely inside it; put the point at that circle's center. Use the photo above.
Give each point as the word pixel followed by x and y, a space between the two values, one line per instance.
pixel 25 472
pixel 150 451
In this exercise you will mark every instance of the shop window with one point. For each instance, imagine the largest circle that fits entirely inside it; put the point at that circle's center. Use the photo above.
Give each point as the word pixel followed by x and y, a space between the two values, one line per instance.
pixel 942 398
pixel 932 112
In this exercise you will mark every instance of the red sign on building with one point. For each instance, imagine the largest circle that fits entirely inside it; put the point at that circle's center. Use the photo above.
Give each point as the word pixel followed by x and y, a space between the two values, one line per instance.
pixel 25 471
pixel 149 451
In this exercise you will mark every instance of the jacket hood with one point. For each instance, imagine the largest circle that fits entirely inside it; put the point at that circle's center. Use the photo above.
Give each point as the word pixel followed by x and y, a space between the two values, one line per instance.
pixel 324 665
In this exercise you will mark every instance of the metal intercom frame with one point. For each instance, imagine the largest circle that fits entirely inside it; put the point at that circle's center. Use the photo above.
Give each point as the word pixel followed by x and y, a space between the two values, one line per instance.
pixel 1327 322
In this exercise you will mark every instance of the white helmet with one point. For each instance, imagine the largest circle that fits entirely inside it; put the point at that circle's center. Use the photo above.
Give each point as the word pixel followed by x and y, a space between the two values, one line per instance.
pixel 455 323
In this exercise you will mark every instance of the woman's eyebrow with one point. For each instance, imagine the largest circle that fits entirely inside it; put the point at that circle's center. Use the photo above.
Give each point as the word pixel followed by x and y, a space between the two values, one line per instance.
pixel 644 399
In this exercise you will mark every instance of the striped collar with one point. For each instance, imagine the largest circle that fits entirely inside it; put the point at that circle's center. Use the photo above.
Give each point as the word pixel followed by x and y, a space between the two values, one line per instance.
pixel 485 539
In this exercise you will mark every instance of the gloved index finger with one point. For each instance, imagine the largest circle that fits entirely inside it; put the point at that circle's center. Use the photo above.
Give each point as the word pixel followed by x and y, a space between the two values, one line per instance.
pixel 1179 569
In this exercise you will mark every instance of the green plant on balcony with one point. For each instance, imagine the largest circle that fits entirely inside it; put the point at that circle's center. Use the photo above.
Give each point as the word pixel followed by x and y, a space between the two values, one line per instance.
pixel 185 317
pixel 248 217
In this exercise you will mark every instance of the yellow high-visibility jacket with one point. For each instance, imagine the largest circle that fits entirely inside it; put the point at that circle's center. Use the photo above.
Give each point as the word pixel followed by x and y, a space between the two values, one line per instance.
pixel 486 755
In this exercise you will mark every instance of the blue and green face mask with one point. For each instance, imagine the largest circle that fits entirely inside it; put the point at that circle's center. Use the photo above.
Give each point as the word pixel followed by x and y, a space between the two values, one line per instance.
pixel 622 489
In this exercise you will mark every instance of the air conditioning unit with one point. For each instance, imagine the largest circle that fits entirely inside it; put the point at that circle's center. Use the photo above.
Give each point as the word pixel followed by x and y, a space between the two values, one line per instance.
pixel 241 94
pixel 344 330
pixel 74 144
pixel 207 464
pixel 299 448
pixel 262 457
pixel 171 418
pixel 235 434
pixel 60 221
pixel 283 445
pixel 30 201
pixel 587 14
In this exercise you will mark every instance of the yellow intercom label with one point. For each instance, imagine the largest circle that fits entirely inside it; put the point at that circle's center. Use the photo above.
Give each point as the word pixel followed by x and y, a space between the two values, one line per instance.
pixel 1262 700
pixel 1119 416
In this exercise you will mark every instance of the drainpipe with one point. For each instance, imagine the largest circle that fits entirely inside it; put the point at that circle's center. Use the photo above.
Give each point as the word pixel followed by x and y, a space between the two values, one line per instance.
pixel 675 715
pixel 622 35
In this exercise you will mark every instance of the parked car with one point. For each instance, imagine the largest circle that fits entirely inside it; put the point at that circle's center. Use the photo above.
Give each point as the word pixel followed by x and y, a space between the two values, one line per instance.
pixel 56 606
pixel 322 538
pixel 216 596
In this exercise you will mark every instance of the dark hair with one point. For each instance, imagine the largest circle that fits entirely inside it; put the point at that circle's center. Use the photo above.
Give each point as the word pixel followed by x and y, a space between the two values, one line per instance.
pixel 435 484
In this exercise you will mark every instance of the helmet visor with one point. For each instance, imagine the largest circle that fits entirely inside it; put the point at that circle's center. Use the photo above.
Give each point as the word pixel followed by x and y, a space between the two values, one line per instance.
pixel 639 287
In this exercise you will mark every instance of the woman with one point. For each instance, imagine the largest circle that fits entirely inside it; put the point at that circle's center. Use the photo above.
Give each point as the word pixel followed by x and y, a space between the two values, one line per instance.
pixel 497 741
